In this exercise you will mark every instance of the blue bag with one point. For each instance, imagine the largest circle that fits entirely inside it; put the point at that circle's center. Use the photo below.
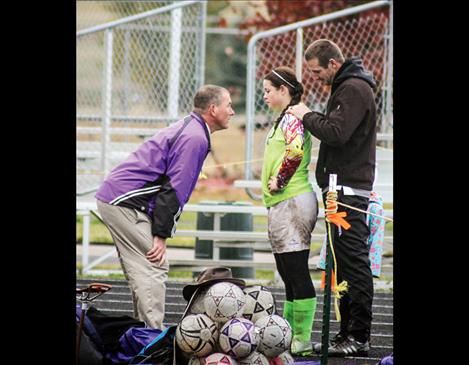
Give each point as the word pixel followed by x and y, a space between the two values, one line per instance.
pixel 388 360
pixel 132 342
pixel 161 351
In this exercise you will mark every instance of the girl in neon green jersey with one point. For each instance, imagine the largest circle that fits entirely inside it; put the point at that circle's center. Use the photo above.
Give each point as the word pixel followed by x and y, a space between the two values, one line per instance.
pixel 291 202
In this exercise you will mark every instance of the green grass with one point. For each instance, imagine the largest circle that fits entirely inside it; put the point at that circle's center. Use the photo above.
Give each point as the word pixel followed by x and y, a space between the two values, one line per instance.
pixel 100 234
pixel 265 275
pixel 388 226
pixel 98 231
pixel 173 274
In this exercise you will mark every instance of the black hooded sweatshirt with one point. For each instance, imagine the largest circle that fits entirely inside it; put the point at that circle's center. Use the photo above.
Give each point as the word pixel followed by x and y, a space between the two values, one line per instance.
pixel 348 129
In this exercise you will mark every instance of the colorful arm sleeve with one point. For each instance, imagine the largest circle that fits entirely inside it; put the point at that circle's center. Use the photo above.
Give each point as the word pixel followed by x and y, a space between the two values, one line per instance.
pixel 294 141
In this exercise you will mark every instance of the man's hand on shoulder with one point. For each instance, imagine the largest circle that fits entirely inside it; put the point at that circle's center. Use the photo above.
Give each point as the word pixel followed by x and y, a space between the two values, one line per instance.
pixel 298 110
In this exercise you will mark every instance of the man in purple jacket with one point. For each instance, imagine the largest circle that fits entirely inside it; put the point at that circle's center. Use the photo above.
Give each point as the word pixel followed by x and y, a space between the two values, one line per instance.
pixel 141 199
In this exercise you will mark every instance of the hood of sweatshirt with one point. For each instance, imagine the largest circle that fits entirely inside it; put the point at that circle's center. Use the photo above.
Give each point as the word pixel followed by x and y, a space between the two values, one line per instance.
pixel 353 67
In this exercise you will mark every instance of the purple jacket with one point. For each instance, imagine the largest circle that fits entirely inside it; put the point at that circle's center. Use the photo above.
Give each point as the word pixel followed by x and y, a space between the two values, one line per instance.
pixel 159 177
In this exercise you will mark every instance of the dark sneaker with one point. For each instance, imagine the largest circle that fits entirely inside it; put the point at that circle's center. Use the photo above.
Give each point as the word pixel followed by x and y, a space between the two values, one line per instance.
pixel 339 337
pixel 349 347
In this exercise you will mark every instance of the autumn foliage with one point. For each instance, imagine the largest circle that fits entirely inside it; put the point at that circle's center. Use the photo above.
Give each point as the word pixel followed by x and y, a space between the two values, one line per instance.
pixel 361 34
pixel 281 12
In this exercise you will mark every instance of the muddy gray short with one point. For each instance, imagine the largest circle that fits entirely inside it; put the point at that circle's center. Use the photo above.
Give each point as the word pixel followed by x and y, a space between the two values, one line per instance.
pixel 291 222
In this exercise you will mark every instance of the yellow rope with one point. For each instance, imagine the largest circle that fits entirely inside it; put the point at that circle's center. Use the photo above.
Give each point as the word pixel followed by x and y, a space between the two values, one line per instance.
pixel 364 211
pixel 331 208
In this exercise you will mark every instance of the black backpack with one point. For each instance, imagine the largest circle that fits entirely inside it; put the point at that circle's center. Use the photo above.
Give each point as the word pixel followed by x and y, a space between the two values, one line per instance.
pixel 101 333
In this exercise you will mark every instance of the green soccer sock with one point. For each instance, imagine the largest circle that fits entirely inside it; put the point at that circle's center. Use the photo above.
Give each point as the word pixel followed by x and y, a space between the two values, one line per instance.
pixel 288 312
pixel 303 317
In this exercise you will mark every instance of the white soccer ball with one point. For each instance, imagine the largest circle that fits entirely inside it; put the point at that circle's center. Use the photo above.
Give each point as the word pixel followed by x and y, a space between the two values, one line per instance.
pixel 224 301
pixel 275 335
pixel 255 358
pixel 197 334
pixel 285 358
pixel 259 302
pixel 238 337
pixel 218 358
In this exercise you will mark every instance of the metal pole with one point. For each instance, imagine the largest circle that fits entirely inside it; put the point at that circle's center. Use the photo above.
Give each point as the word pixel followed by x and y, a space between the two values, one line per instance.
pixel 386 95
pixel 126 71
pixel 250 95
pixel 86 240
pixel 299 54
pixel 326 313
pixel 384 88
pixel 389 109
pixel 174 63
pixel 203 29
pixel 107 98
pixel 216 227
pixel 84 308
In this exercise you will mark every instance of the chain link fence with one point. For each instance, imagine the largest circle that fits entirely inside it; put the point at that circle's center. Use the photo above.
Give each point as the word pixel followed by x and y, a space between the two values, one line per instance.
pixel 136 73
pixel 364 34
pixel 92 13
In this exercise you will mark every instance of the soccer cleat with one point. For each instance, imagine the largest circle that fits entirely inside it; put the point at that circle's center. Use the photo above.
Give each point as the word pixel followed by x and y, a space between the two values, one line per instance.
pixel 301 348
pixel 337 338
pixel 349 347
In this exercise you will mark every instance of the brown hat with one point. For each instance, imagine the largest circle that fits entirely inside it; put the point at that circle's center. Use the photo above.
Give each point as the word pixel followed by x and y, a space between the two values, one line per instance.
pixel 211 275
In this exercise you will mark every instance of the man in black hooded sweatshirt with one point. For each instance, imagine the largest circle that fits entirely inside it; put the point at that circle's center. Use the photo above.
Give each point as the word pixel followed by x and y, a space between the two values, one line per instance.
pixel 347 132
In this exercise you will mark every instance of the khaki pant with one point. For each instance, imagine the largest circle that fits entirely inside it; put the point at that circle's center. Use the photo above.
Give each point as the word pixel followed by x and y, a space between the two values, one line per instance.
pixel 131 232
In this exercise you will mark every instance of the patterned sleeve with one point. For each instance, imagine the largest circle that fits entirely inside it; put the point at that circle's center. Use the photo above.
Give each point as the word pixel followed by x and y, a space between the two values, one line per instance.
pixel 294 141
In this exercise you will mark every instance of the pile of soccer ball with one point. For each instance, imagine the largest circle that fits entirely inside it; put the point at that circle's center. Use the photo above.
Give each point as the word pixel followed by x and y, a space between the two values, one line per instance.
pixel 230 325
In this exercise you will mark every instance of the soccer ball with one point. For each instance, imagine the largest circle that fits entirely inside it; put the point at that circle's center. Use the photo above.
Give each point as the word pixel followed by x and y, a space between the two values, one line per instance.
pixel 218 358
pixel 224 301
pixel 259 303
pixel 275 335
pixel 285 358
pixel 238 338
pixel 197 334
pixel 255 358
pixel 197 306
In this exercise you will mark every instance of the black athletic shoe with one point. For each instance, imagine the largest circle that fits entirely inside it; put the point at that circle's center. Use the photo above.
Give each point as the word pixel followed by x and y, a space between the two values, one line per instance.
pixel 349 347
pixel 339 337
